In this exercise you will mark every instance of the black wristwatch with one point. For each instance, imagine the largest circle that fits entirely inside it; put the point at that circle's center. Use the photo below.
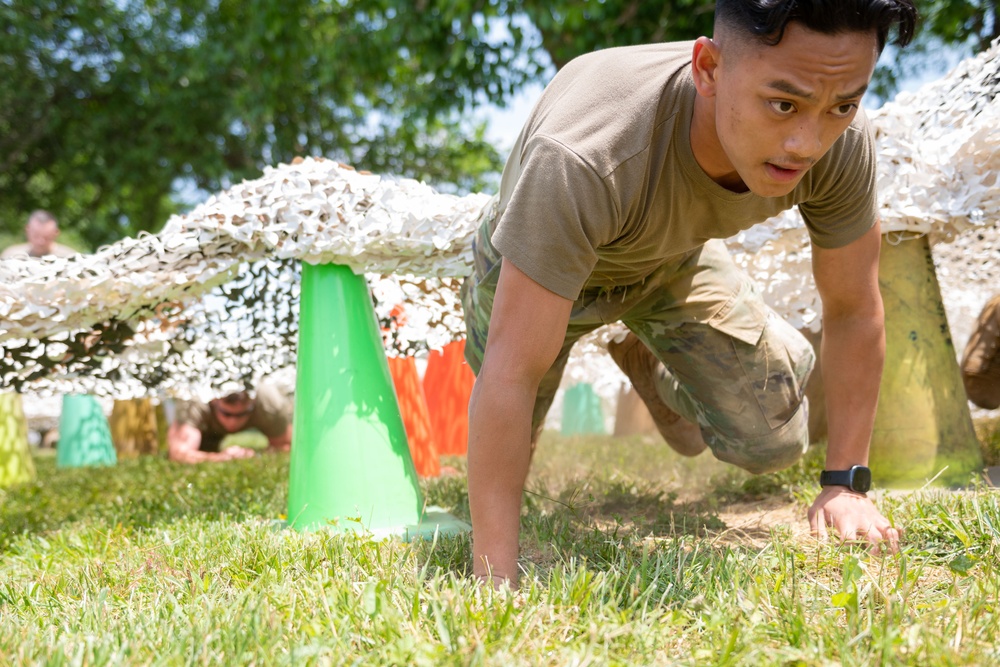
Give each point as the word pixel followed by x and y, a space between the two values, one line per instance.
pixel 858 478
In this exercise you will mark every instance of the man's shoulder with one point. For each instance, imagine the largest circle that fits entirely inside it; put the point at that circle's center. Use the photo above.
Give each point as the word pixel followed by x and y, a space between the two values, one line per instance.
pixel 272 410
pixel 60 250
pixel 635 56
pixel 192 412
pixel 17 250
pixel 839 201
pixel 610 105
pixel 270 399
pixel 23 250
pixel 613 80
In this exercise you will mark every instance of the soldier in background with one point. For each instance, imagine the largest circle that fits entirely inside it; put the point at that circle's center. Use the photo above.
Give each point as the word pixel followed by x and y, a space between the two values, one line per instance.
pixel 197 431
pixel 41 233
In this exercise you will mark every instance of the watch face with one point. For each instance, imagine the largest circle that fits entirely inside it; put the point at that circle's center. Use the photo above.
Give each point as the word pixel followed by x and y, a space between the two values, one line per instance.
pixel 861 479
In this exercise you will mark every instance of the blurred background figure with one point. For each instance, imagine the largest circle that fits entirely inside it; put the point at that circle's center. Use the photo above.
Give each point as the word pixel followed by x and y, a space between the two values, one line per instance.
pixel 41 233
pixel 981 361
pixel 198 429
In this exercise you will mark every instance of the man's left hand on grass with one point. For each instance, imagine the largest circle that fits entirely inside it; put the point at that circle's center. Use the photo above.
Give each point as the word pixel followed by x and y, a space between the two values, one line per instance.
pixel 853 516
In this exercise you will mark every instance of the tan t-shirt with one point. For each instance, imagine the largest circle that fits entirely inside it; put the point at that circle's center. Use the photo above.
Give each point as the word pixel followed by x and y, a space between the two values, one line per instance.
pixel 602 185
pixel 272 413
pixel 24 250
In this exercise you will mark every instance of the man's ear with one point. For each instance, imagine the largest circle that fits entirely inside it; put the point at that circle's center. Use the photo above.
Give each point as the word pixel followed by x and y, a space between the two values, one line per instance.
pixel 705 61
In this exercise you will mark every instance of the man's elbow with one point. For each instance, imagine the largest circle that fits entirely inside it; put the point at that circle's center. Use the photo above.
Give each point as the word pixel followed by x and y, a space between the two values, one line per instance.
pixel 179 452
pixel 181 447
pixel 868 316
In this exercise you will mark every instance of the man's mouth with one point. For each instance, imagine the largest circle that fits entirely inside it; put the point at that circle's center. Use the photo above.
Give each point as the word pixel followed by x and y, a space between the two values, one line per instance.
pixel 786 172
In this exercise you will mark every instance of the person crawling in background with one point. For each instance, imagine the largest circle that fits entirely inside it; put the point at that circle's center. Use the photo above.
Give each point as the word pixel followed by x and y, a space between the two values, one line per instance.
pixel 197 431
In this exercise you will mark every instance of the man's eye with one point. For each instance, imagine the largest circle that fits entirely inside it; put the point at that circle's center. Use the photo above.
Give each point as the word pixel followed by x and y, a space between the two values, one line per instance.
pixel 845 109
pixel 782 106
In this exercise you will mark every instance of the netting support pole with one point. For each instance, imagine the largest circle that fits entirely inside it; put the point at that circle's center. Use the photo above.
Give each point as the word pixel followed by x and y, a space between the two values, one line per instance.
pixel 923 425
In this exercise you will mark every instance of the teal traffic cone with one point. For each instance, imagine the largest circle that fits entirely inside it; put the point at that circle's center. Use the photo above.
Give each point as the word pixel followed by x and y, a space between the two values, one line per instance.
pixel 16 466
pixel 350 462
pixel 84 434
pixel 581 410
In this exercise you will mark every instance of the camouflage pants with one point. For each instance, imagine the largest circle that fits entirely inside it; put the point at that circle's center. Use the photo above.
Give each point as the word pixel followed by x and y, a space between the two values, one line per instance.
pixel 730 364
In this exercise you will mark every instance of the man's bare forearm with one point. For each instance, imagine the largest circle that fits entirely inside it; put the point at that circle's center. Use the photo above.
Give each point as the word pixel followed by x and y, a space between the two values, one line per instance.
pixel 282 442
pixel 200 457
pixel 499 456
pixel 184 446
pixel 853 354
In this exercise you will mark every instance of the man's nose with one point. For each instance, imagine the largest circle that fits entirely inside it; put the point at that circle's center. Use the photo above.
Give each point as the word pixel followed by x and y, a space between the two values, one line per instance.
pixel 805 141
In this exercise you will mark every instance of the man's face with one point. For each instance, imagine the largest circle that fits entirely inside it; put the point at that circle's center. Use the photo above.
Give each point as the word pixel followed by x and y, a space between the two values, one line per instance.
pixel 778 109
pixel 233 412
pixel 41 236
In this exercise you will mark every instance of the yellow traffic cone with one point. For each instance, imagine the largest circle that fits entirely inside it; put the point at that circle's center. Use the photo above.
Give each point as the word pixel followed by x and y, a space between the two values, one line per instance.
pixel 16 466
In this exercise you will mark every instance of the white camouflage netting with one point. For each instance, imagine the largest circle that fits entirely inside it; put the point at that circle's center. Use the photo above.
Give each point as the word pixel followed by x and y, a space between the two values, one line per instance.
pixel 152 314
pixel 211 300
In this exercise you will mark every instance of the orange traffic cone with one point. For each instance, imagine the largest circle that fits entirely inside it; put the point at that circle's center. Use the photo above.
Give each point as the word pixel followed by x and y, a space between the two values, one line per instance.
pixel 448 384
pixel 416 419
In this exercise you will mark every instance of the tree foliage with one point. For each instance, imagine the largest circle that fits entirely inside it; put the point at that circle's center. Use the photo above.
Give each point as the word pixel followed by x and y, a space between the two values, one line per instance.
pixel 569 29
pixel 949 30
pixel 111 107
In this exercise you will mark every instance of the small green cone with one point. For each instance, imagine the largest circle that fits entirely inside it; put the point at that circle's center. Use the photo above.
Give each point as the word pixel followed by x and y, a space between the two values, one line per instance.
pixel 581 410
pixel 84 434
pixel 350 463
pixel 16 466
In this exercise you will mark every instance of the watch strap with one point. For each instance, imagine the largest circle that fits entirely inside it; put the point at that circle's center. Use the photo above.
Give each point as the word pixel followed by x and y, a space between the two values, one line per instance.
pixel 857 478
pixel 835 478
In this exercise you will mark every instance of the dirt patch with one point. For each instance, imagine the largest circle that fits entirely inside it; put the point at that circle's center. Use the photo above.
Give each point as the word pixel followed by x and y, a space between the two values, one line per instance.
pixel 754 522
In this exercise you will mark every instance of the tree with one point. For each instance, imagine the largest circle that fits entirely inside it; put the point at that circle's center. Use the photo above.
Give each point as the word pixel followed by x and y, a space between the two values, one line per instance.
pixel 955 28
pixel 108 108
pixel 572 28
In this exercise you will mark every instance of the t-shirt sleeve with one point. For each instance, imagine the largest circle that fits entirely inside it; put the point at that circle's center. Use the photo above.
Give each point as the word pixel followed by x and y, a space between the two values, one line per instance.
pixel 193 413
pixel 272 411
pixel 559 213
pixel 845 204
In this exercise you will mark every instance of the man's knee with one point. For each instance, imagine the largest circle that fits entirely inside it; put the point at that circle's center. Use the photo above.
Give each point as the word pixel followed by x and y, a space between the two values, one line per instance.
pixel 775 450
pixel 981 358
pixel 983 390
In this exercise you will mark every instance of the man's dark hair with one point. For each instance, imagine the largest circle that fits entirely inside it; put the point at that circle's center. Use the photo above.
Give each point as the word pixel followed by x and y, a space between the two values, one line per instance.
pixel 236 398
pixel 41 215
pixel 767 19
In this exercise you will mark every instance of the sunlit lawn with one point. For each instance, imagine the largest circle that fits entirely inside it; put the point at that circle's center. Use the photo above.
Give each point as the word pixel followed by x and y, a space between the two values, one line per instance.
pixel 631 556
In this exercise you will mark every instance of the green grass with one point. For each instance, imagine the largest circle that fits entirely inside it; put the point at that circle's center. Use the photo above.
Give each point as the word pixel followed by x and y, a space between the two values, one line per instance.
pixel 628 555
pixel 988 431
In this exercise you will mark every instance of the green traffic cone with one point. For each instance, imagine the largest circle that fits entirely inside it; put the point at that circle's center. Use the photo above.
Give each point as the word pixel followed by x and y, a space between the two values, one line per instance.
pixel 84 434
pixel 350 464
pixel 581 410
pixel 16 466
